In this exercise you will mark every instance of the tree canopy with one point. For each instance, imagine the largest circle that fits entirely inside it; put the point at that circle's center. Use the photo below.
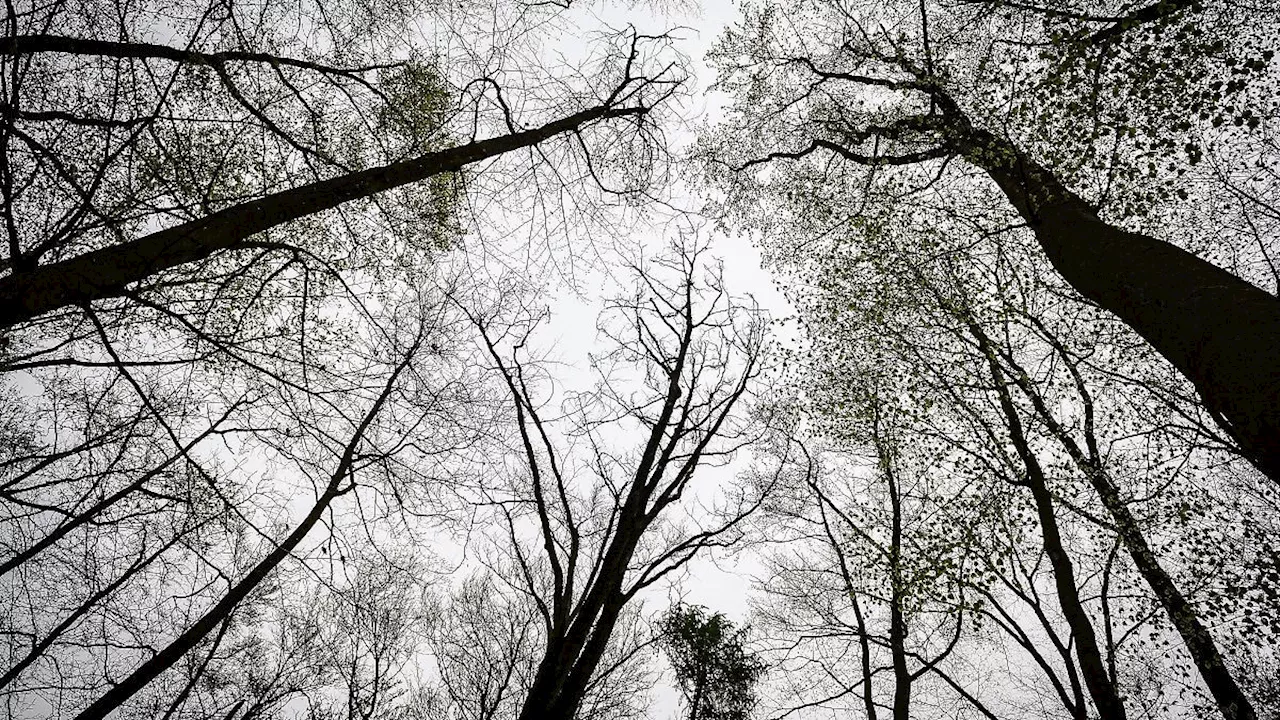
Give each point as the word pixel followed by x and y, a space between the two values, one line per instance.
pixel 393 360
pixel 714 671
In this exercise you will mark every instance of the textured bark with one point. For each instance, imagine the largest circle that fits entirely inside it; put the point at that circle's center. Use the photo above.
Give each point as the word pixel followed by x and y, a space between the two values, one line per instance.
pixel 108 271
pixel 1220 332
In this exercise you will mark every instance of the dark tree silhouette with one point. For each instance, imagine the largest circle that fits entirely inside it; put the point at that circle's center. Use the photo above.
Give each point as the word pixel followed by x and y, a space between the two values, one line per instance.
pixel 937 72
pixel 715 672
pixel 591 521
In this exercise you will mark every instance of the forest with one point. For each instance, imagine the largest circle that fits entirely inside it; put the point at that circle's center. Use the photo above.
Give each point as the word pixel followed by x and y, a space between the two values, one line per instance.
pixel 640 360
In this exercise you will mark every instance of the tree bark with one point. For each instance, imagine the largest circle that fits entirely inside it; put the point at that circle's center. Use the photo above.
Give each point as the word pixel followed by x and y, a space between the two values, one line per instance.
pixel 106 272
pixel 1220 332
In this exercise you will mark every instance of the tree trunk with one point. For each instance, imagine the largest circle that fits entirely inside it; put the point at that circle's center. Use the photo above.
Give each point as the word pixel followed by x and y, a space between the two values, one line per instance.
pixel 1103 692
pixel 1230 698
pixel 1204 652
pixel 188 640
pixel 1105 696
pixel 1220 332
pixel 108 271
pixel 864 643
pixel 565 672
pixel 897 621
pixel 562 682
pixel 215 616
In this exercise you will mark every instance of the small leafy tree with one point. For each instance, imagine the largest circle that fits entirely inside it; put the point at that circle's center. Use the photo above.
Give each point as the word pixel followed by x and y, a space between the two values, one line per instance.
pixel 715 673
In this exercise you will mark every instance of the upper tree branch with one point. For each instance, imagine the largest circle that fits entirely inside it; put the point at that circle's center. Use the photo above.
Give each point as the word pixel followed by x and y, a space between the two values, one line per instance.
pixel 1143 15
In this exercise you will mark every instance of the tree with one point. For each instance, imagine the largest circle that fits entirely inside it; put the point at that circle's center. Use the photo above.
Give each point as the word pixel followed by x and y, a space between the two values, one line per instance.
pixel 174 521
pixel 890 87
pixel 715 672
pixel 228 368
pixel 112 191
pixel 603 499
pixel 937 322
pixel 860 594
pixel 274 442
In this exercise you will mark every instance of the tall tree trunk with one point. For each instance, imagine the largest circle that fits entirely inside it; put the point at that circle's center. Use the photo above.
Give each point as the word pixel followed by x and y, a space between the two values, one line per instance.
pixel 1219 331
pixel 1217 677
pixel 1230 698
pixel 108 271
pixel 1104 693
pixel 864 638
pixel 565 672
pixel 897 621
pixel 1105 696
pixel 562 679
pixel 864 644
pixel 221 610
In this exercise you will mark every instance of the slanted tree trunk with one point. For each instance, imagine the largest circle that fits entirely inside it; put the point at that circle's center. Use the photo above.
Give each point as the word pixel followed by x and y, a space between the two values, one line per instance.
pixel 1105 696
pixel 1220 332
pixel 227 604
pixel 567 668
pixel 1217 677
pixel 1104 693
pixel 1230 698
pixel 107 272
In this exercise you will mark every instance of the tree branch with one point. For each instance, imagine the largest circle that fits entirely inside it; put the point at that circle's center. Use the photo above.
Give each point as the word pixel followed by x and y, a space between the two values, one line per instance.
pixel 108 271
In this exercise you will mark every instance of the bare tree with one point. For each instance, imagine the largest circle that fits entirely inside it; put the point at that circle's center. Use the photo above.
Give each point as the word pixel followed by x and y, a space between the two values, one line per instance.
pixel 858 592
pixel 139 183
pixel 604 502
pixel 226 227
pixel 325 446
